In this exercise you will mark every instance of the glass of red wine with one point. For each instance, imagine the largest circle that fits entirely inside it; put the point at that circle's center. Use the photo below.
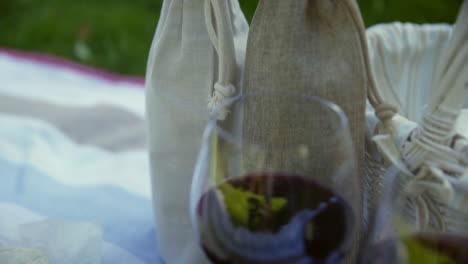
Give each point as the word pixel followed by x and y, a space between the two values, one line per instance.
pixel 397 235
pixel 276 183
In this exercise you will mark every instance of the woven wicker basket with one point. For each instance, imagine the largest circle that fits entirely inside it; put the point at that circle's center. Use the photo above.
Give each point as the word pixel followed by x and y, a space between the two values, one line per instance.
pixel 416 119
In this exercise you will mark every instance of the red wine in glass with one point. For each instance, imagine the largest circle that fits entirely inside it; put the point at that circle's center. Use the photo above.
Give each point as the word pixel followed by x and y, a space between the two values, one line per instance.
pixel 274 219
pixel 440 248
pixel 454 246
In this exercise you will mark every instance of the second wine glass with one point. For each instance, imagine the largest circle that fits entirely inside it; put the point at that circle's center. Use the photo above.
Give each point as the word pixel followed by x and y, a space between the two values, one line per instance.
pixel 399 234
pixel 277 183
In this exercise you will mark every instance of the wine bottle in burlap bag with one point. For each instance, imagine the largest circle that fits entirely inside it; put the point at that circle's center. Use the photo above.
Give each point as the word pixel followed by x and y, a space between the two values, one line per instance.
pixel 310 47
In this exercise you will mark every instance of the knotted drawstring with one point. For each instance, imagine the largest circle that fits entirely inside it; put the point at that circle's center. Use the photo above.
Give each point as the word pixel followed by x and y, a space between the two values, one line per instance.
pixel 385 113
pixel 220 93
pixel 221 36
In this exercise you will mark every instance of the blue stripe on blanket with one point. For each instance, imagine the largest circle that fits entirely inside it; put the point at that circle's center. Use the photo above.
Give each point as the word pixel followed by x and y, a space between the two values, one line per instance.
pixel 127 219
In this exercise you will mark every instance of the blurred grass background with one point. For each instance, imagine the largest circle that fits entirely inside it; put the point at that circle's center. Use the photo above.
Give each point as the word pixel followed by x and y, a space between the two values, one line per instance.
pixel 116 34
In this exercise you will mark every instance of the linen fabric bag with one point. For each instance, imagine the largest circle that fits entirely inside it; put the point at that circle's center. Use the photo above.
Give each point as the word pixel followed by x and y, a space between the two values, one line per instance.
pixel 311 47
pixel 196 58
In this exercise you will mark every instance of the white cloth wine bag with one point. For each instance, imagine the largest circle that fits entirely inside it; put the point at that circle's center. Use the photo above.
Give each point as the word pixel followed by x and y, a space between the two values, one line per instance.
pixel 195 62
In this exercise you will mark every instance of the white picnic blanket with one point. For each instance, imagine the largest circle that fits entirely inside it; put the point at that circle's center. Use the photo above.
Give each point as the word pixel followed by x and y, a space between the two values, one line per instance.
pixel 74 177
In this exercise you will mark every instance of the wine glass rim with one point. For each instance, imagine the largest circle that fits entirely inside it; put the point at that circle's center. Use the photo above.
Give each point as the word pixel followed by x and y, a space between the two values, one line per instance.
pixel 213 121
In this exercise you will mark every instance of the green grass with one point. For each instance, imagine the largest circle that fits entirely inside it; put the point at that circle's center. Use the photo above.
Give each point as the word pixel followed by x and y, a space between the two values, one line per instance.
pixel 116 34
pixel 416 11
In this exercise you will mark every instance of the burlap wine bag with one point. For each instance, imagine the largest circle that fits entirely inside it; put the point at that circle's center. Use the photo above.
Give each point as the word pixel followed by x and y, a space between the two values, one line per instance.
pixel 312 47
pixel 195 61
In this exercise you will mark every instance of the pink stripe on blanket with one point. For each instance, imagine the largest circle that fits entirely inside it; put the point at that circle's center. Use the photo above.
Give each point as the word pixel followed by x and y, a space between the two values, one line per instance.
pixel 68 64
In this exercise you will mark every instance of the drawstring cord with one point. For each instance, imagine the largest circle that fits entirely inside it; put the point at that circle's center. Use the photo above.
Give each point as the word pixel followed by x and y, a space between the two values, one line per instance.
pixel 219 26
